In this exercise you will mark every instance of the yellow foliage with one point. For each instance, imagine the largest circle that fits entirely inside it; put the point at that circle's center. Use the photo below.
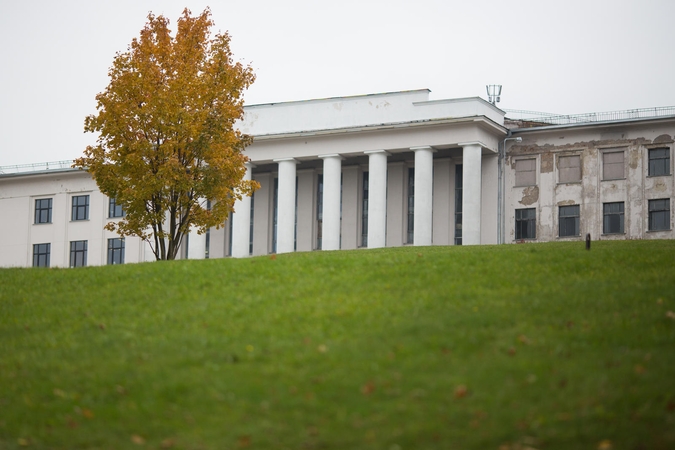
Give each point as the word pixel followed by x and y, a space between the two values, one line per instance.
pixel 167 140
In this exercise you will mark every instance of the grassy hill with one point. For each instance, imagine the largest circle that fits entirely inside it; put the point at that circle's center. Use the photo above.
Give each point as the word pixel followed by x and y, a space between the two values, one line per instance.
pixel 540 346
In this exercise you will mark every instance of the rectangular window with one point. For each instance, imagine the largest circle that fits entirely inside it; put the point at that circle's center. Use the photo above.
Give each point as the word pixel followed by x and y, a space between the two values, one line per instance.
pixel 250 231
pixel 568 221
pixel 115 251
pixel 526 223
pixel 459 177
pixel 526 172
pixel 319 212
pixel 78 253
pixel 364 212
pixel 43 210
pixel 41 254
pixel 411 205
pixel 659 162
pixel 569 169
pixel 80 207
pixel 659 214
pixel 114 210
pixel 612 220
pixel 612 166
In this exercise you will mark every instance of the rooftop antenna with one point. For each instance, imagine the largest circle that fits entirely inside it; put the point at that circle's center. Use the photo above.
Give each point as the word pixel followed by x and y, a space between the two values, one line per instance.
pixel 494 92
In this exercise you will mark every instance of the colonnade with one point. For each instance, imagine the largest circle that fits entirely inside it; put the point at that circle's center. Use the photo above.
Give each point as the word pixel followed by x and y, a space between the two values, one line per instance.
pixel 377 201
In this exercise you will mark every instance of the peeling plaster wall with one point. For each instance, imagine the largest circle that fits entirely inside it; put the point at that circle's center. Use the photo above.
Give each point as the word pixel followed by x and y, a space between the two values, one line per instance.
pixel 635 189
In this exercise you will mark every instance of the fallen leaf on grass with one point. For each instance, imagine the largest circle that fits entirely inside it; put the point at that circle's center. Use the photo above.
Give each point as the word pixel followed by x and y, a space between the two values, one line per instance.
pixel 87 413
pixel 605 444
pixel 523 339
pixel 670 315
pixel 23 442
pixel 167 443
pixel 138 440
pixel 639 369
pixel 368 388
pixel 244 441
pixel 461 391
pixel 273 256
pixel 322 348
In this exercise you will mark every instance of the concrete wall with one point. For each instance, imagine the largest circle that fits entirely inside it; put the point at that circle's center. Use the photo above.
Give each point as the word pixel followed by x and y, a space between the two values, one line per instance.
pixel 635 189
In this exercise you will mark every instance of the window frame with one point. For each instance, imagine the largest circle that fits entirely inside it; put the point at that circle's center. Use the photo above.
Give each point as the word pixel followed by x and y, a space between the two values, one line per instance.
pixel 609 216
pixel 37 253
pixel 115 211
pixel 116 252
pixel 78 256
pixel 662 212
pixel 665 166
pixel 567 218
pixel 78 210
pixel 516 172
pixel 560 168
pixel 613 151
pixel 528 223
pixel 39 210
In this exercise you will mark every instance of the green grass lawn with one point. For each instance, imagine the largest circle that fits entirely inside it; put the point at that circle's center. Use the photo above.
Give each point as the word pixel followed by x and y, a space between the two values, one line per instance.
pixel 540 346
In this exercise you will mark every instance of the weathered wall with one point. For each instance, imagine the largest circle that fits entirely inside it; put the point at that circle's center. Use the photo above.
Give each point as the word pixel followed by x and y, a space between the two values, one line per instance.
pixel 635 189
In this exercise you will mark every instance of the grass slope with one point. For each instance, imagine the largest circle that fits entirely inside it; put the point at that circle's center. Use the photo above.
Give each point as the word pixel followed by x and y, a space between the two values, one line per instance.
pixel 543 346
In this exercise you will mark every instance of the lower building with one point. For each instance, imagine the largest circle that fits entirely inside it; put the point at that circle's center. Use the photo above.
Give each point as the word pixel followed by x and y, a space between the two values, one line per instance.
pixel 382 170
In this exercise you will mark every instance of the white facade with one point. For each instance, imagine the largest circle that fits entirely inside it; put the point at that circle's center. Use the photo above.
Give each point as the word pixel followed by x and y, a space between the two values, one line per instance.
pixel 386 170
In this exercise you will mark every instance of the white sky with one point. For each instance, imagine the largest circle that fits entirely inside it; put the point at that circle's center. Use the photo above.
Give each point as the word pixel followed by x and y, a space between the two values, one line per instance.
pixel 562 57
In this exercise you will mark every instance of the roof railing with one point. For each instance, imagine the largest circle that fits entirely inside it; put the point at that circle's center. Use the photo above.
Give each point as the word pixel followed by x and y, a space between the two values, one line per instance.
pixel 37 167
pixel 573 119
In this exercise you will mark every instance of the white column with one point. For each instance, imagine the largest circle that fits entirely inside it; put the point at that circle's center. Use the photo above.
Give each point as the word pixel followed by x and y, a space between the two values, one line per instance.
pixel 241 222
pixel 286 206
pixel 332 171
pixel 377 198
pixel 471 193
pixel 424 183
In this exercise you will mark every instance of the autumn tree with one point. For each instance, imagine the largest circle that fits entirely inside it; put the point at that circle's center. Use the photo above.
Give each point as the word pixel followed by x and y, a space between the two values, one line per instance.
pixel 167 138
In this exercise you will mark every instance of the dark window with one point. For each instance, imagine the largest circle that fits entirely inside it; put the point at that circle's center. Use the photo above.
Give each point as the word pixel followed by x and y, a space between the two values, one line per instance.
pixel 526 172
pixel 319 212
pixel 78 253
pixel 207 237
pixel 411 205
pixel 612 220
pixel 569 221
pixel 364 212
pixel 41 254
pixel 250 231
pixel 43 210
pixel 659 214
pixel 115 251
pixel 459 180
pixel 569 169
pixel 659 162
pixel 612 166
pixel 229 235
pixel 80 207
pixel 114 210
pixel 526 223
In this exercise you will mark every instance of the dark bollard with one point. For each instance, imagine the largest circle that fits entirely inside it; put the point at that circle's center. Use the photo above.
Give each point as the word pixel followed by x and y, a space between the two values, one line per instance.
pixel 588 241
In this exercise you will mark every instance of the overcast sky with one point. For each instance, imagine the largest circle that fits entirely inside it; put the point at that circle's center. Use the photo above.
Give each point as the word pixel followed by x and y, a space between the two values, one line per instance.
pixel 561 57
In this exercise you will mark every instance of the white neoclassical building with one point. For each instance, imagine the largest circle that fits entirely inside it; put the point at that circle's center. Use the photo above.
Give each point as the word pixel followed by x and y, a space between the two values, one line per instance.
pixel 383 170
